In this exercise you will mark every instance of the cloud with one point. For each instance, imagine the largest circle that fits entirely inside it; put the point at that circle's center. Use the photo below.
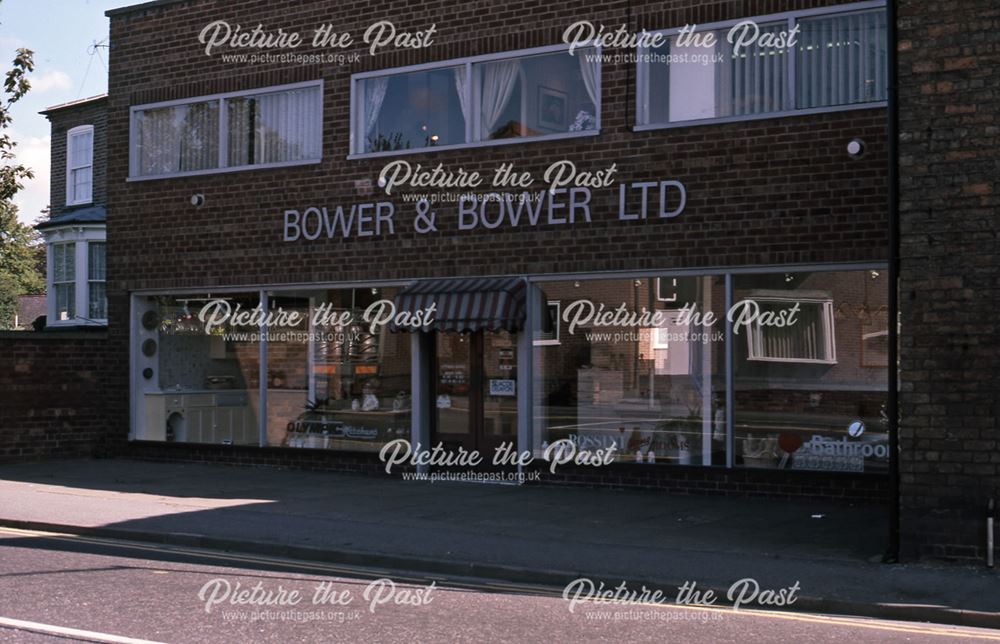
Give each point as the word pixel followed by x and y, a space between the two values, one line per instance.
pixel 33 151
pixel 54 80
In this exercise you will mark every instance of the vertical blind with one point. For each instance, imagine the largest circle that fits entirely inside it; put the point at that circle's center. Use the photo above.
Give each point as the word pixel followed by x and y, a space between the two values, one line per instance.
pixel 752 81
pixel 841 60
pixel 806 340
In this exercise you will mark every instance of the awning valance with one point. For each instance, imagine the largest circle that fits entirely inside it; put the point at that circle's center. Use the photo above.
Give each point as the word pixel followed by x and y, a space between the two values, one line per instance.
pixel 467 304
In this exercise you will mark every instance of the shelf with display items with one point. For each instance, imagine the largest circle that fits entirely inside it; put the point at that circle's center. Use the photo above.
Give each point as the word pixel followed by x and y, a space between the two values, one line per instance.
pixel 361 424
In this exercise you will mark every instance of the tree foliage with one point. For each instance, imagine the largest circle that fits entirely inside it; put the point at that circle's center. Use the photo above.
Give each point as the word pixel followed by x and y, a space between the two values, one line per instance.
pixel 19 272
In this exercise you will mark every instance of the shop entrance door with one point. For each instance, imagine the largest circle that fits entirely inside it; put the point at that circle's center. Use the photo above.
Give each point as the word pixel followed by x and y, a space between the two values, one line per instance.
pixel 476 392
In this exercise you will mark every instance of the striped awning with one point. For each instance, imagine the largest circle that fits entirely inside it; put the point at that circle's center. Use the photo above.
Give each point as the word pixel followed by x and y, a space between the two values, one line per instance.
pixel 467 304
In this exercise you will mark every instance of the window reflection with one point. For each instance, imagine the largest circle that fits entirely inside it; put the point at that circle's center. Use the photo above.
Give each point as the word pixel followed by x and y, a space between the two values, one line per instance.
pixel 653 389
pixel 333 381
pixel 812 395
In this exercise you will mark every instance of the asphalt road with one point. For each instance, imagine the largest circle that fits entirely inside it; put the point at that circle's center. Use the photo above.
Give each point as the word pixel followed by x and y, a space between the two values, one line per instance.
pixel 117 591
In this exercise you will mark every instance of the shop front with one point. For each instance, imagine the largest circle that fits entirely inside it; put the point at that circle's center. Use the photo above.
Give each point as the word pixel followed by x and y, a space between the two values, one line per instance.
pixel 518 245
pixel 775 369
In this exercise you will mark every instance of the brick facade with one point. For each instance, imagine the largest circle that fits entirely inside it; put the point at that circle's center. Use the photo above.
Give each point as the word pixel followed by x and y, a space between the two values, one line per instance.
pixel 64 118
pixel 55 400
pixel 769 192
pixel 950 274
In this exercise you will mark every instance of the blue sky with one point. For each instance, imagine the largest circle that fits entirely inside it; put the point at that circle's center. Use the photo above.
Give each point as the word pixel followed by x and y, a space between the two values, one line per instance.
pixel 61 33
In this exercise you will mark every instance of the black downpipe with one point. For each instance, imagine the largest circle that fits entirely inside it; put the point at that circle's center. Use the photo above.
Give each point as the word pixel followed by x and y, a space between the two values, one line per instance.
pixel 892 402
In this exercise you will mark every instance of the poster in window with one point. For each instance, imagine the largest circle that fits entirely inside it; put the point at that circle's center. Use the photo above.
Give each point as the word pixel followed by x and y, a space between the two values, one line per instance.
pixel 551 108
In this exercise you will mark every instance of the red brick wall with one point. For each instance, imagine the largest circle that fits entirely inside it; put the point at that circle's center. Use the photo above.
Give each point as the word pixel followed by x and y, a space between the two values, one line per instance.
pixel 949 274
pixel 62 121
pixel 773 191
pixel 54 399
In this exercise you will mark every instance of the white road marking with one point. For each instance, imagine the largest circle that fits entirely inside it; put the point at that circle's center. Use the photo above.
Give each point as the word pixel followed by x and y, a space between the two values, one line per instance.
pixel 49 629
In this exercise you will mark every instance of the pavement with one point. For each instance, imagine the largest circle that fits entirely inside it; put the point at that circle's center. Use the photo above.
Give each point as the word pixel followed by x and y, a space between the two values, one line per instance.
pixel 544 535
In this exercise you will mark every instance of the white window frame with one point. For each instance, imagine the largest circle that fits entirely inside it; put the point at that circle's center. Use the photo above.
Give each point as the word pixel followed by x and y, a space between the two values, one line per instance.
pixel 755 337
pixel 61 248
pixel 357 138
pixel 91 280
pixel 70 168
pixel 553 341
pixel 659 281
pixel 530 431
pixel 223 140
pixel 82 235
pixel 642 103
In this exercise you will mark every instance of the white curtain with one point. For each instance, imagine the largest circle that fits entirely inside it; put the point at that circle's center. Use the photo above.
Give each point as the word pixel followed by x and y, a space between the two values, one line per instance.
pixel 462 87
pixel 590 70
pixel 177 139
pixel 240 132
pixel 274 128
pixel 374 95
pixel 198 136
pixel 499 80
pixel 288 126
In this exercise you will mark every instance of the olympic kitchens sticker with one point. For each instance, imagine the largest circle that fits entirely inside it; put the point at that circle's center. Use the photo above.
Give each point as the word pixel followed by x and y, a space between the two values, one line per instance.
pixel 564 199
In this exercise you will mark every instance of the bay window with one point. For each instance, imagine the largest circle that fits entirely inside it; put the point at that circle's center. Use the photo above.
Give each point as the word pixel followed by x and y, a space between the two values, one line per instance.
pixel 836 59
pixel 96 275
pixel 76 275
pixel 546 93
pixel 240 130
pixel 64 280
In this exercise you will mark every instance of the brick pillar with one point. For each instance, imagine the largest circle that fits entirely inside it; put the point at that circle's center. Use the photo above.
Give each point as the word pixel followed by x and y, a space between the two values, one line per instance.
pixel 950 273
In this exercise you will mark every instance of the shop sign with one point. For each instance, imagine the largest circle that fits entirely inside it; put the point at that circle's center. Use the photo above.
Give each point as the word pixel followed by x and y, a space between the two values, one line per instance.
pixel 504 201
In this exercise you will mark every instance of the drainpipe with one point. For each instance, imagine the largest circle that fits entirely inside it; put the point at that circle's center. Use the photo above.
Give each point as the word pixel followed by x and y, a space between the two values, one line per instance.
pixel 992 513
pixel 892 402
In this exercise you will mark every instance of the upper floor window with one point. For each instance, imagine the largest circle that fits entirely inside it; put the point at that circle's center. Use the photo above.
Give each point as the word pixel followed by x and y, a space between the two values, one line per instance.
pixel 80 165
pixel 809 339
pixel 837 59
pixel 475 101
pixel 263 128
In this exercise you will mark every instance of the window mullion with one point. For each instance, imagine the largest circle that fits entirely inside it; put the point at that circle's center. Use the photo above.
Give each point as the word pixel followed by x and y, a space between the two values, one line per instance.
pixel 790 66
pixel 471 123
pixel 82 275
pixel 223 134
pixel 730 378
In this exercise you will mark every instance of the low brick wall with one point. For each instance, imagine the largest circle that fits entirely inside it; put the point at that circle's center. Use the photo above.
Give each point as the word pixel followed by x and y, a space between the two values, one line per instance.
pixel 749 482
pixel 54 395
